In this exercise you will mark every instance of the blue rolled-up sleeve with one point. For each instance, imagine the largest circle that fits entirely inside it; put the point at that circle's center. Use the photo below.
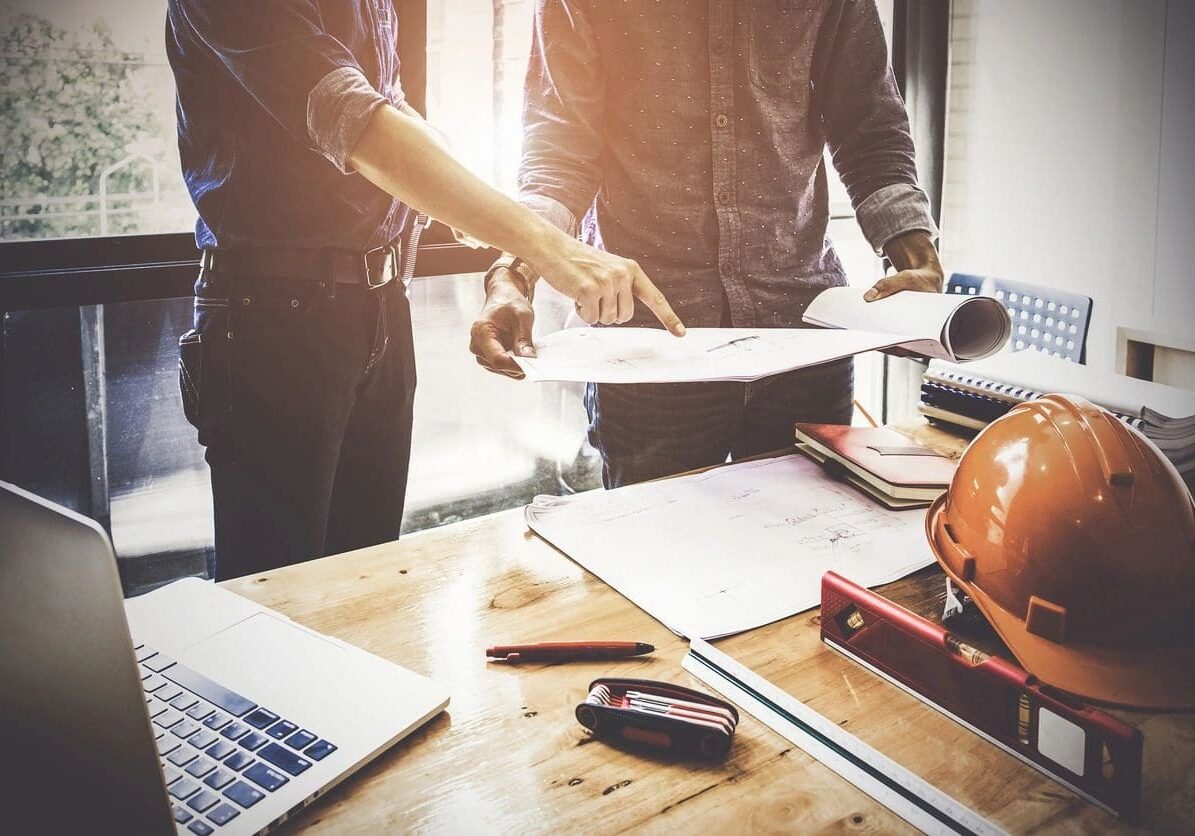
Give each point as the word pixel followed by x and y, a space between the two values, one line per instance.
pixel 304 78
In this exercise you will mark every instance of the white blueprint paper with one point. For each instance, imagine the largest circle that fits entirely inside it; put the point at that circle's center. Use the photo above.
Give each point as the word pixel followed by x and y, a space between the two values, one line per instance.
pixel 733 548
pixel 951 327
pixel 649 355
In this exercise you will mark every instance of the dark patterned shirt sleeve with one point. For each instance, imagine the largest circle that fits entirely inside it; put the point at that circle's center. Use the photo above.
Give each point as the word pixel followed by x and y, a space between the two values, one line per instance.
pixel 278 51
pixel 866 126
pixel 562 143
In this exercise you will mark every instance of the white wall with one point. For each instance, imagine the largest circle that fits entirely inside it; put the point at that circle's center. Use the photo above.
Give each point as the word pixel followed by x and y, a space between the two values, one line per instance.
pixel 1055 153
pixel 1174 286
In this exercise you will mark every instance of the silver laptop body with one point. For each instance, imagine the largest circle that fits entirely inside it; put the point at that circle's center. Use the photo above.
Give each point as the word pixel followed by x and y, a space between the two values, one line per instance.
pixel 189 709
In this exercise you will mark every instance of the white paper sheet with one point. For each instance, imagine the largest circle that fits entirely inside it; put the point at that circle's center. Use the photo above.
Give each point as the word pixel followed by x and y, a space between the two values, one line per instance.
pixel 733 548
pixel 649 355
pixel 953 327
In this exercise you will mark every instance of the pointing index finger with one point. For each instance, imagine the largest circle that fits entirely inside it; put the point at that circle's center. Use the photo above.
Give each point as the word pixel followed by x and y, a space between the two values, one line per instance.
pixel 650 295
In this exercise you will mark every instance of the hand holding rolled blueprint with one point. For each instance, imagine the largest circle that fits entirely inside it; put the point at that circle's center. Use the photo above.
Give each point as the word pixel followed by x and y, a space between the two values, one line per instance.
pixel 949 327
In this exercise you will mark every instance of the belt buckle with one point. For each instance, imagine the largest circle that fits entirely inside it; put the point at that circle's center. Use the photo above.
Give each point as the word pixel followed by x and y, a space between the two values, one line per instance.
pixel 390 267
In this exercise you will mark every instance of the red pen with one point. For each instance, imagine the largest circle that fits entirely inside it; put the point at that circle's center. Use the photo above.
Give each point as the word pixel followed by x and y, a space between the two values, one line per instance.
pixel 567 651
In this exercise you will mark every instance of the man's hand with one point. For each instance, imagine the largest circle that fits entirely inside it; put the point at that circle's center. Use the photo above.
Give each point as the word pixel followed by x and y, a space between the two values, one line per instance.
pixel 916 260
pixel 603 286
pixel 503 326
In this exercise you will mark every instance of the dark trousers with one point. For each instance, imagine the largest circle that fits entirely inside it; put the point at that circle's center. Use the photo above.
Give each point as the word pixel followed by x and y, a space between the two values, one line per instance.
pixel 303 398
pixel 648 431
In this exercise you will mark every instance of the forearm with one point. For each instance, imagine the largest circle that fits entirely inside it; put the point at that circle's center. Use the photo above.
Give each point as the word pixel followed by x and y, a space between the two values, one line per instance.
pixel 401 154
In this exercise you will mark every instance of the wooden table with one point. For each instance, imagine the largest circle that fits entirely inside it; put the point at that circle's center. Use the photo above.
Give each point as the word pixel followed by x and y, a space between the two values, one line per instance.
pixel 508 754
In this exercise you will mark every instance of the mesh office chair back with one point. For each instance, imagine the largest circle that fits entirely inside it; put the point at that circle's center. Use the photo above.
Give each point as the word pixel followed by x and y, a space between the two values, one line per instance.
pixel 1051 321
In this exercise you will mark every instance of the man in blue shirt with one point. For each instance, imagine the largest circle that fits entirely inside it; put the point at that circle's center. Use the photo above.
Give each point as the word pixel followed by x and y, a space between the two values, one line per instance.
pixel 302 156
pixel 691 136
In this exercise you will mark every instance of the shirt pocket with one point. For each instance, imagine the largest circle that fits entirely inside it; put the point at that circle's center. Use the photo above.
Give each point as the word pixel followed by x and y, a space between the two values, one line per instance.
pixel 773 41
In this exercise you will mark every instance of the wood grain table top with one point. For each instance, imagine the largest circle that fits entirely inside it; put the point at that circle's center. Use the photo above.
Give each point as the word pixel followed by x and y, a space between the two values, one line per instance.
pixel 509 755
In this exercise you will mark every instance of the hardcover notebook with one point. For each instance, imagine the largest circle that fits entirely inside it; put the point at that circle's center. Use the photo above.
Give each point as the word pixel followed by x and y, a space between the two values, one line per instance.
pixel 883 459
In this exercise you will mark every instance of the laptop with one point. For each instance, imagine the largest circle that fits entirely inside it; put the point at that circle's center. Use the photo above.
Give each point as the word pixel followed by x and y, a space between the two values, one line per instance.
pixel 189 709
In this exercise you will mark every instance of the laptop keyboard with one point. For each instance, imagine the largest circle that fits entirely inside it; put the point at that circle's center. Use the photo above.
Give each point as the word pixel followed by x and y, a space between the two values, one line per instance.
pixel 221 752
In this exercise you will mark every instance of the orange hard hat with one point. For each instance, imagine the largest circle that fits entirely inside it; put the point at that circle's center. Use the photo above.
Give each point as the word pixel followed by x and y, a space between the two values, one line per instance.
pixel 1075 537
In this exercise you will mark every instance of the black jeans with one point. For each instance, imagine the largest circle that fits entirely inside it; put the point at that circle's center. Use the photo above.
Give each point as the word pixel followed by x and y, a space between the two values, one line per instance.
pixel 302 395
pixel 650 430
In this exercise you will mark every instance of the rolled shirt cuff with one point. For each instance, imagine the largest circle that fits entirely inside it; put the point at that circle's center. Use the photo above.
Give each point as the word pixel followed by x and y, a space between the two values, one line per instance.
pixel 892 211
pixel 338 109
pixel 552 211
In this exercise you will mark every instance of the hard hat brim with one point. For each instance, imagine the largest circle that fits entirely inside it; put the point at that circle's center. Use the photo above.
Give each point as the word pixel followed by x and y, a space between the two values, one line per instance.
pixel 1159 678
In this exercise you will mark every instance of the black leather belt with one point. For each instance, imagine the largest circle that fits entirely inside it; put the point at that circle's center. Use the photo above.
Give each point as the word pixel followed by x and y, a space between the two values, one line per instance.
pixel 373 269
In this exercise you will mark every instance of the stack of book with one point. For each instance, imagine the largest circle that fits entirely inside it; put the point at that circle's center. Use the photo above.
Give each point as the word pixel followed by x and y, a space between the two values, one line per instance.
pixel 891 469
pixel 976 394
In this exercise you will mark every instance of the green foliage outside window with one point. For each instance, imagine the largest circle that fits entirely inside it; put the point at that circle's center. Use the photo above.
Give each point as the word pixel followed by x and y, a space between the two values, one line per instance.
pixel 73 106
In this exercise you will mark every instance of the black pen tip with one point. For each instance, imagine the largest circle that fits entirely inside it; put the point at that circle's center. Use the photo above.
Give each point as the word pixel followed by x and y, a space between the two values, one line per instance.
pixel 643 647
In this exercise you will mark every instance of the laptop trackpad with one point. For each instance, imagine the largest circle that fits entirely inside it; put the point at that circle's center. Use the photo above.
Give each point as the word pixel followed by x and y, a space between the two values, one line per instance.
pixel 276 663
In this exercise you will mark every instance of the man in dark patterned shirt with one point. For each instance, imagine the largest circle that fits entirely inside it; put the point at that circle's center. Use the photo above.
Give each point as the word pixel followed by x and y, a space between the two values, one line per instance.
pixel 690 136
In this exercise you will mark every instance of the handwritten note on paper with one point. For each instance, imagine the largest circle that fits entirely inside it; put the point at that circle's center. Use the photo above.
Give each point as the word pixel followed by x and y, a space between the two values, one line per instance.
pixel 733 548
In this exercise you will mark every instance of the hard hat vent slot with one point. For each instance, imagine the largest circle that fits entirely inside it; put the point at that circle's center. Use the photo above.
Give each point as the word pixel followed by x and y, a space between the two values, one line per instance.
pixel 1046 619
pixel 968 568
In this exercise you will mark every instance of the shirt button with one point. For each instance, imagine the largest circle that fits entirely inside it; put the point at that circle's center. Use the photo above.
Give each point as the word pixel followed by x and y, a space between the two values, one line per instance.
pixel 719 46
pixel 727 268
pixel 724 198
pixel 721 121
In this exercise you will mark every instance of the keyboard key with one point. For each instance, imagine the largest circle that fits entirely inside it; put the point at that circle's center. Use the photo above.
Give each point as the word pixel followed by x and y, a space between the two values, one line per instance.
pixel 253 741
pixel 284 759
pixel 158 662
pixel 243 794
pixel 238 761
pixel 217 721
pixel 200 767
pixel 219 779
pixel 281 729
pixel 183 788
pixel 203 800
pixel 152 682
pixel 300 739
pixel 171 774
pixel 201 828
pixel 184 729
pixel 319 750
pixel 199 711
pixel 184 701
pixel 144 653
pixel 266 778
pixel 261 718
pixel 182 756
pixel 213 692
pixel 156 707
pixel 168 692
pixel 167 718
pixel 181 815
pixel 221 749
pixel 166 745
pixel 202 739
pixel 223 814
pixel 235 730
